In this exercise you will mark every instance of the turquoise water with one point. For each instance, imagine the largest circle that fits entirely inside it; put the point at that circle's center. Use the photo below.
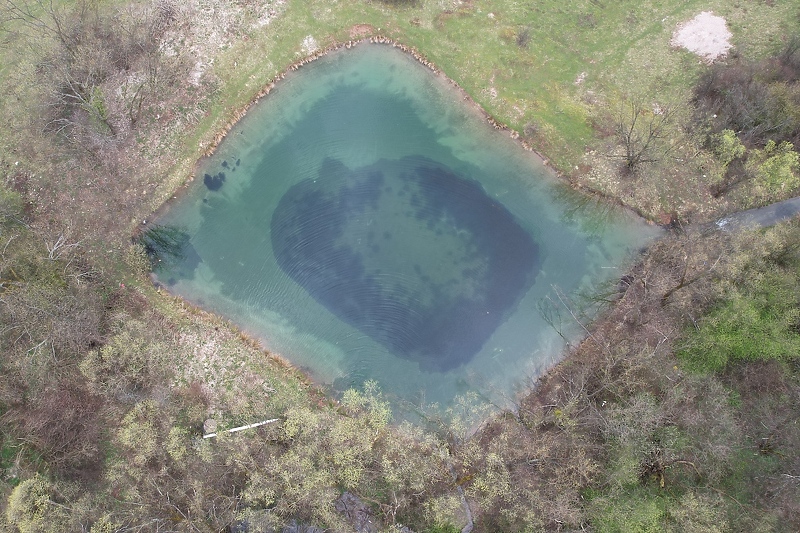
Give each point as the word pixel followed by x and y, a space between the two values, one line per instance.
pixel 365 223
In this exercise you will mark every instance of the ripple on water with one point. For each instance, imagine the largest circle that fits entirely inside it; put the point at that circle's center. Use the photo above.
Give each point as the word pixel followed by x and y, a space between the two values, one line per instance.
pixel 458 266
pixel 367 226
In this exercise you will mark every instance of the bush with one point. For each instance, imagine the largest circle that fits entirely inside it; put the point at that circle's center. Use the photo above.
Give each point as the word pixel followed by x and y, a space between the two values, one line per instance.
pixel 727 147
pixel 751 323
pixel 774 169
pixel 757 100
pixel 128 365
pixel 31 509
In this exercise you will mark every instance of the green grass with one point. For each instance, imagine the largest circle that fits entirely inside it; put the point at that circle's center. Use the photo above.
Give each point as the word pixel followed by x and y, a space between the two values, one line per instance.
pixel 637 510
pixel 622 46
pixel 755 322
pixel 616 48
pixel 9 451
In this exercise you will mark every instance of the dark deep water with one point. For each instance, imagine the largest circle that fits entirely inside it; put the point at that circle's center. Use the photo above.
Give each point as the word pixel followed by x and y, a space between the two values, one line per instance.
pixel 366 225
pixel 439 321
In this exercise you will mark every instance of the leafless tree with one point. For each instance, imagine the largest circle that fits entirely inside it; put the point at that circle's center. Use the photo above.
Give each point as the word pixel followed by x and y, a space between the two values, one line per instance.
pixel 640 129
pixel 83 48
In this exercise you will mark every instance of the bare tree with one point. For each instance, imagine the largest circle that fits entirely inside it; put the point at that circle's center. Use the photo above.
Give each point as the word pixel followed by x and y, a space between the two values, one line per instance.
pixel 86 50
pixel 640 129
pixel 43 17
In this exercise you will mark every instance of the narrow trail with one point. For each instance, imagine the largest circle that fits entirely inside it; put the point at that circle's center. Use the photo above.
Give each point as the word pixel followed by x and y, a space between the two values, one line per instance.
pixel 761 217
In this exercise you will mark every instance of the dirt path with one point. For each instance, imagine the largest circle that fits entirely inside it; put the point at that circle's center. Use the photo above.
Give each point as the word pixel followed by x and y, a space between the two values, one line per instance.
pixel 762 216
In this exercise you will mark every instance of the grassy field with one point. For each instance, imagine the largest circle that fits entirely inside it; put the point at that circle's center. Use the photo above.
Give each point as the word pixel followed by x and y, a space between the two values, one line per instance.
pixel 549 70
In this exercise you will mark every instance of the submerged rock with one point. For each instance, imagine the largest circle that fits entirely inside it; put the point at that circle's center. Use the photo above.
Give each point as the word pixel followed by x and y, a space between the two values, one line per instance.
pixel 214 183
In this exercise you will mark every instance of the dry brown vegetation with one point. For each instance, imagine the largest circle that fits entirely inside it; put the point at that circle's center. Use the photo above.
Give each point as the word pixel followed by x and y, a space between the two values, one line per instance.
pixel 97 103
pixel 622 424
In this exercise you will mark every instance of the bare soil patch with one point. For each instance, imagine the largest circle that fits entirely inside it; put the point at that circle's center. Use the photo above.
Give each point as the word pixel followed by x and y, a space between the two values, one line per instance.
pixel 706 35
pixel 360 31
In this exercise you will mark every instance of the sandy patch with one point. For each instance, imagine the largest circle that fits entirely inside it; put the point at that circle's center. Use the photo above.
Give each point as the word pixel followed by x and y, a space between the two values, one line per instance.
pixel 310 45
pixel 706 35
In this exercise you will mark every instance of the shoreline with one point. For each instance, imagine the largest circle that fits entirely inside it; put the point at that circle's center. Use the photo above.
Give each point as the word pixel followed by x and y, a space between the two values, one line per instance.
pixel 237 115
pixel 337 46
pixel 249 339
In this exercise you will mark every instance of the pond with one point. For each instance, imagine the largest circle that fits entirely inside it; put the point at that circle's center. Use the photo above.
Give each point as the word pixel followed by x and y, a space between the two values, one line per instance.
pixel 366 223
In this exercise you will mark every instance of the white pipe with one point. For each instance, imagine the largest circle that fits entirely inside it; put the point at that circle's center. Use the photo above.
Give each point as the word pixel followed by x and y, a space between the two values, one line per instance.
pixel 242 428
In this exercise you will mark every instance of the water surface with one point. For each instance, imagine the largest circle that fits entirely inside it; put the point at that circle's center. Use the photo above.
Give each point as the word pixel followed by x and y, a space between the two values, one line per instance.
pixel 366 224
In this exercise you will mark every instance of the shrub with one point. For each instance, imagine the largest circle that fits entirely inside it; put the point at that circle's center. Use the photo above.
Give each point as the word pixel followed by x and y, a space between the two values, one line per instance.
pixel 31 509
pixel 727 147
pixel 757 100
pixel 751 323
pixel 127 365
pixel 774 169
